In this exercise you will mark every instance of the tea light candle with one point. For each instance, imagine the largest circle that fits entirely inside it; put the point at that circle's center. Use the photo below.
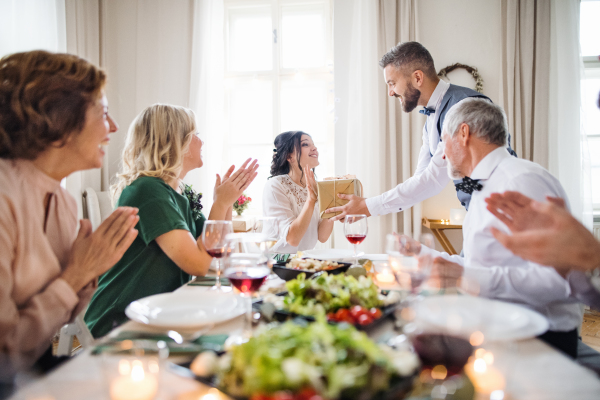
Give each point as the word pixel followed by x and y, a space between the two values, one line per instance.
pixel 485 378
pixel 133 385
pixel 385 277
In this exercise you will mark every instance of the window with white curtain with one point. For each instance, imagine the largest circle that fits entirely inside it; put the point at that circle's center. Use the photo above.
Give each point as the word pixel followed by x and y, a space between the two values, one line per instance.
pixel 278 78
pixel 590 88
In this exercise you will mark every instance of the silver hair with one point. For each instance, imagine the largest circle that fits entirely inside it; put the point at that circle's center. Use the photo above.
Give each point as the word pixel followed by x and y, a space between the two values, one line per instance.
pixel 486 120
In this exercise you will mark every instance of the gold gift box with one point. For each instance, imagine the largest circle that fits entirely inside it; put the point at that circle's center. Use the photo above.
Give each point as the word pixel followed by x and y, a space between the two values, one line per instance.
pixel 329 188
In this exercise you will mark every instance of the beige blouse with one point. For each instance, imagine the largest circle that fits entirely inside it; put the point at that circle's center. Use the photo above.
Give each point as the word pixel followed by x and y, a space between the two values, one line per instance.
pixel 38 222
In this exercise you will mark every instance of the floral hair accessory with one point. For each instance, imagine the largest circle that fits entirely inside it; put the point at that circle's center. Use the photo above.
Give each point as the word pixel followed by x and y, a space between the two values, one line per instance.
pixel 194 200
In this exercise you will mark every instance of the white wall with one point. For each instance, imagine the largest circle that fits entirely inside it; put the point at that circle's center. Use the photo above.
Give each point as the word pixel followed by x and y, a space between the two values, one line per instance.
pixel 147 54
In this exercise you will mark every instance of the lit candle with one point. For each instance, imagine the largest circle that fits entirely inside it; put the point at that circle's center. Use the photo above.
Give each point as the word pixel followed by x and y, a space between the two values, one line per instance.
pixel 484 376
pixel 385 277
pixel 134 383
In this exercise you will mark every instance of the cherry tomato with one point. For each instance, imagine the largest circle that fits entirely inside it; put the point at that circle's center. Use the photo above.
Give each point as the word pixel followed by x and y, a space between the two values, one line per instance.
pixel 375 313
pixel 281 395
pixel 331 317
pixel 260 396
pixel 342 313
pixel 306 394
pixel 357 311
pixel 365 319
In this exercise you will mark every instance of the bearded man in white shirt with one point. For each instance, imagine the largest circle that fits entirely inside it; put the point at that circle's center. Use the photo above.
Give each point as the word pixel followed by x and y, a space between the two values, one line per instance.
pixel 410 75
pixel 474 136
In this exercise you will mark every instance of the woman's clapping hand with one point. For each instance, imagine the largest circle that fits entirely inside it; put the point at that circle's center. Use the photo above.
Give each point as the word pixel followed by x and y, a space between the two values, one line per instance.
pixel 233 184
pixel 94 253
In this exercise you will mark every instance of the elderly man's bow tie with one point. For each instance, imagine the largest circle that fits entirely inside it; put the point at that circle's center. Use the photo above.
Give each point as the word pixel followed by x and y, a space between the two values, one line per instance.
pixel 468 185
pixel 427 111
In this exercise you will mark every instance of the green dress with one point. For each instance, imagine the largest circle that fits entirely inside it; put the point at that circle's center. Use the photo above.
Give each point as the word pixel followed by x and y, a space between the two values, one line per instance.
pixel 144 269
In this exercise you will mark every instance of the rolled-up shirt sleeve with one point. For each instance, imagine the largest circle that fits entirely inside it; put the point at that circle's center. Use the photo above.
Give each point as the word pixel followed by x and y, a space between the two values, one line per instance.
pixel 430 179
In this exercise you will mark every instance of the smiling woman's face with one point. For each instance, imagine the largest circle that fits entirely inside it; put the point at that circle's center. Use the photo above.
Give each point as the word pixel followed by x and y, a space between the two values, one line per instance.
pixel 309 155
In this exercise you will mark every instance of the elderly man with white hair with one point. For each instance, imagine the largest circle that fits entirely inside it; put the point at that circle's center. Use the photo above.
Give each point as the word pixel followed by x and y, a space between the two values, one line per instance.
pixel 474 137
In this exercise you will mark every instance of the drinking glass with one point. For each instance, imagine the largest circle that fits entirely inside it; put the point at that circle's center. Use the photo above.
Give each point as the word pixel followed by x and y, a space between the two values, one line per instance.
pixel 247 276
pixel 214 239
pixel 411 271
pixel 355 229
pixel 266 231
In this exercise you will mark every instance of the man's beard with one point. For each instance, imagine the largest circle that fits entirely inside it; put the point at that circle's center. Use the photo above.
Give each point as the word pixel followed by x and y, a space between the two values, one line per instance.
pixel 410 98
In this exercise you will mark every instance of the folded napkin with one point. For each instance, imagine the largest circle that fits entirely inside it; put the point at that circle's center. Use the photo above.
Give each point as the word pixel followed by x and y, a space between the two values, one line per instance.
pixel 208 281
pixel 207 342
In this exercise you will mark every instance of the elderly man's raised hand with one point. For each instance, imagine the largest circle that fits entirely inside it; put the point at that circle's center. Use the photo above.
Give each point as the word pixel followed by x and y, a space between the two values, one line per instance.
pixel 94 253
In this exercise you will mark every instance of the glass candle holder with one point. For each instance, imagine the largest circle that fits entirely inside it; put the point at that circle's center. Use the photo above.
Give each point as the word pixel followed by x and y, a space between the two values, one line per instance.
pixel 132 369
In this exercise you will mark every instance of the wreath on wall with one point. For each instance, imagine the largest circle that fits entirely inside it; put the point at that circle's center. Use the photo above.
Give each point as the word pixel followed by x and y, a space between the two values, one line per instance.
pixel 473 71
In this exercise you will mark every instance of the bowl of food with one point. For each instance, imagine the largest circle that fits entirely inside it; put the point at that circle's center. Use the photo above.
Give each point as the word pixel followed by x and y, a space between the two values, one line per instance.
pixel 309 266
pixel 303 361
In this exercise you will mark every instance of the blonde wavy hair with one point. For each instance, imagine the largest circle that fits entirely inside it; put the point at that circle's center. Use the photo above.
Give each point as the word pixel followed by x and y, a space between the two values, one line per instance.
pixel 156 143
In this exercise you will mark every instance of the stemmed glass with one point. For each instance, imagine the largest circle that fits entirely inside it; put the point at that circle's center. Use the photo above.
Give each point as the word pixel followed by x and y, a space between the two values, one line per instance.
pixel 266 231
pixel 246 275
pixel 355 229
pixel 214 239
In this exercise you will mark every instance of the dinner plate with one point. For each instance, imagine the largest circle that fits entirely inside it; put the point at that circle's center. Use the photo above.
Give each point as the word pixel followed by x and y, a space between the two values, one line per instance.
pixel 463 315
pixel 328 254
pixel 185 309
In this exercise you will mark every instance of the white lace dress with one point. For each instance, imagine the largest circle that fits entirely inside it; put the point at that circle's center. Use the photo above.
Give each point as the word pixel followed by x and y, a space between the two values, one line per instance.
pixel 284 199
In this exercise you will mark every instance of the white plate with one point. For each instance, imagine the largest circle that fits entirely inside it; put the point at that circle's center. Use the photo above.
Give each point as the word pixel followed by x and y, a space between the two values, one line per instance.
pixel 463 315
pixel 185 309
pixel 328 254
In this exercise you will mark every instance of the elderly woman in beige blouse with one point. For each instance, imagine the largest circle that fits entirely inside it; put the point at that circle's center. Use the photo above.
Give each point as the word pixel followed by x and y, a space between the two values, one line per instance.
pixel 53 121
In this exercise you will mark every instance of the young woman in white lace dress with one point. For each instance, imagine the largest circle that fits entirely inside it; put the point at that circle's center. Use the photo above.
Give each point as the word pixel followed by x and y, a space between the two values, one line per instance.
pixel 290 194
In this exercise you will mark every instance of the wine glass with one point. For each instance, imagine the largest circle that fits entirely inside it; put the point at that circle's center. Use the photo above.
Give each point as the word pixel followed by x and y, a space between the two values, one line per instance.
pixel 247 275
pixel 214 239
pixel 355 229
pixel 266 230
pixel 411 270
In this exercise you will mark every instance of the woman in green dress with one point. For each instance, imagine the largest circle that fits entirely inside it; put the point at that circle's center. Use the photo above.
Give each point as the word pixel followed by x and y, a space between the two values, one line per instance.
pixel 161 148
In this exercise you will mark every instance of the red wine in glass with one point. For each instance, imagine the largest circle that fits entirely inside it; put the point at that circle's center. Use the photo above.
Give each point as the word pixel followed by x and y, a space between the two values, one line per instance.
pixel 439 349
pixel 356 239
pixel 216 253
pixel 247 279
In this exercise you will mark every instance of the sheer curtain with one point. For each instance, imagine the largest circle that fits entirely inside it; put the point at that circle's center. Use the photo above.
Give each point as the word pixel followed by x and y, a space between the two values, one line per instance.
pixel 378 139
pixel 569 153
pixel 525 74
pixel 207 93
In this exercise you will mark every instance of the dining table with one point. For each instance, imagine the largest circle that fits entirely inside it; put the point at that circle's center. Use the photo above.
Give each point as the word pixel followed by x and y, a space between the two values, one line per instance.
pixel 536 370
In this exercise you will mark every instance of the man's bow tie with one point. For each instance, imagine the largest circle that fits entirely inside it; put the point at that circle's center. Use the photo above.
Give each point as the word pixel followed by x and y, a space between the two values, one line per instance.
pixel 468 185
pixel 427 111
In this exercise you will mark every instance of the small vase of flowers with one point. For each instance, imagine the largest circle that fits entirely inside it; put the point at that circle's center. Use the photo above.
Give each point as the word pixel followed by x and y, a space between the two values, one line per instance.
pixel 241 204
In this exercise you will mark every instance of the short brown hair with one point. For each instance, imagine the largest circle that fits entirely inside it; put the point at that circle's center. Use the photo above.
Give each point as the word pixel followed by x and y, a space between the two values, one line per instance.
pixel 410 57
pixel 43 99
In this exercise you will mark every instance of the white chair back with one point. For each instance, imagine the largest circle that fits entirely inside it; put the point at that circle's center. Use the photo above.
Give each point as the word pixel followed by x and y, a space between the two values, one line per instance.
pixel 97 205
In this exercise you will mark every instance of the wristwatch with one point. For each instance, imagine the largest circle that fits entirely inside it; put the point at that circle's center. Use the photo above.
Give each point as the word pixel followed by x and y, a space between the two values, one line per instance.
pixel 594 276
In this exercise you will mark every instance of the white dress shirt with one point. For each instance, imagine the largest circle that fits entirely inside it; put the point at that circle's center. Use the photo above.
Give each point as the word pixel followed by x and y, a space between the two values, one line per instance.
pixel 284 199
pixel 499 273
pixel 429 178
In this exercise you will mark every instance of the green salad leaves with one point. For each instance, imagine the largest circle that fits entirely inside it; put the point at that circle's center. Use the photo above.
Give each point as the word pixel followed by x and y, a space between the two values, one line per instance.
pixel 333 360
pixel 328 293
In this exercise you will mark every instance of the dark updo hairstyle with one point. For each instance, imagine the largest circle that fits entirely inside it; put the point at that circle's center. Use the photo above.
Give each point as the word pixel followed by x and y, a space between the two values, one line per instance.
pixel 44 98
pixel 285 144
